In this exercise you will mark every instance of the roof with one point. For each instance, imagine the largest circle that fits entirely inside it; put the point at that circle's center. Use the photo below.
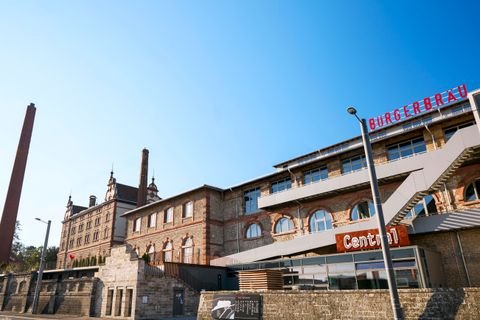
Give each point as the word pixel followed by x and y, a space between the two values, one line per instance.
pixel 77 209
pixel 205 186
pixel 126 193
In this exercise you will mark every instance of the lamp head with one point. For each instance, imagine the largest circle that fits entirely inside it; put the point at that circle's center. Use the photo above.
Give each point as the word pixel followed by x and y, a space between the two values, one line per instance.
pixel 352 111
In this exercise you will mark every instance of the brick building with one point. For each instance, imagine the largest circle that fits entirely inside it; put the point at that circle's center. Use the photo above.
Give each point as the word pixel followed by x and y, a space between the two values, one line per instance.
pixel 428 164
pixel 88 233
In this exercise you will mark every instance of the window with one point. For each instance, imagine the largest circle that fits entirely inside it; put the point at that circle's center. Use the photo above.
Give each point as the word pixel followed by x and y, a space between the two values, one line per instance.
pixel 80 228
pixel 107 217
pixel 363 210
pixel 168 215
pixel 70 244
pixel 72 230
pixel 283 225
pixel 315 175
pixel 168 252
pixel 95 235
pixel 424 207
pixel 281 185
pixel 105 233
pixel 187 251
pixel 79 242
pixel 321 220
pixel 472 192
pixel 253 231
pixel 251 200
pixel 450 131
pixel 353 164
pixel 151 252
pixel 188 209
pixel 406 149
pixel 89 225
pixel 97 221
pixel 137 224
pixel 87 239
pixel 152 220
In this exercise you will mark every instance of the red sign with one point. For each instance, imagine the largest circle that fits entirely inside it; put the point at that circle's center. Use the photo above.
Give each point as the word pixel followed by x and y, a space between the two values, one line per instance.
pixel 418 107
pixel 370 239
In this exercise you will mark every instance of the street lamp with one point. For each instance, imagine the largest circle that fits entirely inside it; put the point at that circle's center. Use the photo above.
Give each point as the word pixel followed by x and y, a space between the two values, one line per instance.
pixel 42 266
pixel 392 285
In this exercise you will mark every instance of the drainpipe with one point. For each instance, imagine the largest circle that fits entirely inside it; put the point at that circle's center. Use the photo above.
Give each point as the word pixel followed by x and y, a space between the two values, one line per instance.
pixel 293 174
pixel 300 220
pixel 463 259
pixel 238 222
pixel 445 192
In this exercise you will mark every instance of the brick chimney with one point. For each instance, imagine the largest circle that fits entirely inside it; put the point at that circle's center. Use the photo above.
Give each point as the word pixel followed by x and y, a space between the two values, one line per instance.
pixel 142 187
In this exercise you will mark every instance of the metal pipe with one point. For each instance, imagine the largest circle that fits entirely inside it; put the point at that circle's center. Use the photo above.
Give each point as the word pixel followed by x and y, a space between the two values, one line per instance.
pixel 463 259
pixel 40 271
pixel 392 285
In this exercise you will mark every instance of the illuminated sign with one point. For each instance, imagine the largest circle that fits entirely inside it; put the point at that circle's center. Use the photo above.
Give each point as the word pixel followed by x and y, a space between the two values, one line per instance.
pixel 418 107
pixel 370 239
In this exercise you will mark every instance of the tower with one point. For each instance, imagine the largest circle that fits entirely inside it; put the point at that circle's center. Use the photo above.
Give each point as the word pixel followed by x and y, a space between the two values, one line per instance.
pixel 12 201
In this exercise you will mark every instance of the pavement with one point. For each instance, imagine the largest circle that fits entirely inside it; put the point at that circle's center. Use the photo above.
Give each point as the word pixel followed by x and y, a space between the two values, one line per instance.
pixel 29 316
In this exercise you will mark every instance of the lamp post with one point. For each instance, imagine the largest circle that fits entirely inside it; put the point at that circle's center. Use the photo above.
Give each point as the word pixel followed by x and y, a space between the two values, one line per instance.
pixel 42 266
pixel 392 285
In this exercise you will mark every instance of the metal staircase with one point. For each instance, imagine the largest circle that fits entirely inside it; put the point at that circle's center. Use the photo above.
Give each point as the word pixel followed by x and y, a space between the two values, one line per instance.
pixel 439 167
pixel 436 168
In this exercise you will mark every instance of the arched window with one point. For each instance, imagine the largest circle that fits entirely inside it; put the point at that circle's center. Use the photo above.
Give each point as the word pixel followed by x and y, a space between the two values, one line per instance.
pixel 283 225
pixel 168 252
pixel 321 220
pixel 424 207
pixel 253 231
pixel 151 252
pixel 472 192
pixel 187 251
pixel 363 210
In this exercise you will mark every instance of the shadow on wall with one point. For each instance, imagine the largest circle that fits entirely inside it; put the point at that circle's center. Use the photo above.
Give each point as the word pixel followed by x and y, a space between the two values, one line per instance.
pixel 443 304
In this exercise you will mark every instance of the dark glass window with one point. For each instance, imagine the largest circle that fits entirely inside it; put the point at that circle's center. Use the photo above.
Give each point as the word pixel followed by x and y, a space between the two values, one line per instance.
pixel 281 185
pixel 251 200
pixel 363 210
pixel 353 164
pixel 448 133
pixel 406 149
pixel 424 207
pixel 315 175
pixel 472 192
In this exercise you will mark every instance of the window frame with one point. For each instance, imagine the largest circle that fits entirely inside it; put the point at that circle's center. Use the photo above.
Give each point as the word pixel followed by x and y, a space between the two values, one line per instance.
pixel 326 220
pixel 280 222
pixel 248 231
pixel 137 224
pixel 185 247
pixel 186 213
pixel 360 157
pixel 251 205
pixel 455 128
pixel 312 177
pixel 152 220
pixel 395 150
pixel 168 215
pixel 281 185
pixel 475 184
pixel 370 205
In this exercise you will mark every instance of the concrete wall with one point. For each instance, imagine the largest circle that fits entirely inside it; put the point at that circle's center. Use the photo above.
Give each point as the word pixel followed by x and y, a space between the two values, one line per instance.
pixel 360 304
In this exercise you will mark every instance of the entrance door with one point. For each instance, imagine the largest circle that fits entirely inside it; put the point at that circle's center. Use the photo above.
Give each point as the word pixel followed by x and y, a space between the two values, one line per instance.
pixel 178 295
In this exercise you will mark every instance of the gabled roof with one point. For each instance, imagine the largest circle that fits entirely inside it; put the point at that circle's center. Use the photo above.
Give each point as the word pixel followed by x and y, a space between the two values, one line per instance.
pixel 126 193
pixel 77 209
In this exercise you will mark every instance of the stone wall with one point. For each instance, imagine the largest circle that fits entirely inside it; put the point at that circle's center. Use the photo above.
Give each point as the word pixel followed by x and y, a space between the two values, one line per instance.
pixel 360 304
pixel 72 296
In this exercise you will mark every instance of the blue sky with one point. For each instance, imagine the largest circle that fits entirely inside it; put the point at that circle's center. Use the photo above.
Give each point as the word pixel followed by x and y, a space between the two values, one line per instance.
pixel 218 91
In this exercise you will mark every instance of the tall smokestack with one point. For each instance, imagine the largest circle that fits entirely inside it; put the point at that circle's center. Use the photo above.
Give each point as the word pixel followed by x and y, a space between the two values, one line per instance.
pixel 10 210
pixel 142 187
